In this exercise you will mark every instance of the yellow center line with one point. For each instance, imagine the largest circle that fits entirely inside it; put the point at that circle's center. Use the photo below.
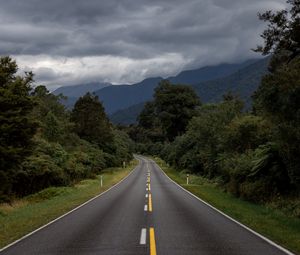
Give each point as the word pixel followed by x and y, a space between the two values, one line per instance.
pixel 150 203
pixel 149 186
pixel 152 242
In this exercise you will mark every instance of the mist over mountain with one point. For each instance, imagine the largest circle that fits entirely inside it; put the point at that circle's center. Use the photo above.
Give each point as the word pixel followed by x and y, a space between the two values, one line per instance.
pixel 118 97
pixel 75 91
pixel 241 81
pixel 124 102
pixel 208 72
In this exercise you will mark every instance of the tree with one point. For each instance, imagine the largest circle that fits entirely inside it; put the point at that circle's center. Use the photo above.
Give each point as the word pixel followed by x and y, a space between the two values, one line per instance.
pixel 91 122
pixel 16 126
pixel 278 99
pixel 247 133
pixel 46 102
pixel 175 105
pixel 147 117
pixel 149 128
pixel 278 96
pixel 52 116
pixel 282 37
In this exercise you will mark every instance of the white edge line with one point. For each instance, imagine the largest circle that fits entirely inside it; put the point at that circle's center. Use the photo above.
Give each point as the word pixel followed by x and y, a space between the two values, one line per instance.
pixel 69 212
pixel 146 208
pixel 143 236
pixel 146 195
pixel 228 217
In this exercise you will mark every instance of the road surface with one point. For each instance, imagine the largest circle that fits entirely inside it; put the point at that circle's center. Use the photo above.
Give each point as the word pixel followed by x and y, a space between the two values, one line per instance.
pixel 145 214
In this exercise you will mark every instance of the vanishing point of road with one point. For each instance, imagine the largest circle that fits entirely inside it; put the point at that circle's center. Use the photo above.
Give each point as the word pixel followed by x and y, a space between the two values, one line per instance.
pixel 146 213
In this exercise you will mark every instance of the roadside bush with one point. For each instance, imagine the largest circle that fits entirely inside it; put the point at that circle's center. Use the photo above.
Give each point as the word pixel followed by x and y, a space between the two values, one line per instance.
pixel 78 166
pixel 246 133
pixel 260 190
pixel 39 172
pixel 234 169
pixel 269 165
pixel 257 175
pixel 122 147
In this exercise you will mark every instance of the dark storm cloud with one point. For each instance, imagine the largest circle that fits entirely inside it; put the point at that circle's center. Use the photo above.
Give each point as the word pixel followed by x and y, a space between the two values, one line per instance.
pixel 199 32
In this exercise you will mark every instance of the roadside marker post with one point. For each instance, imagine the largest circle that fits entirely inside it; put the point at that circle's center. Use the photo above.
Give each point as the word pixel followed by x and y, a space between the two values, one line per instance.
pixel 187 179
pixel 101 181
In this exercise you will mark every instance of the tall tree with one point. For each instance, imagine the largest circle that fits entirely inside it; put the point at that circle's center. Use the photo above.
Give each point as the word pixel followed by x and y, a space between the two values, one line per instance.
pixel 282 36
pixel 16 126
pixel 174 106
pixel 91 122
pixel 278 96
pixel 51 114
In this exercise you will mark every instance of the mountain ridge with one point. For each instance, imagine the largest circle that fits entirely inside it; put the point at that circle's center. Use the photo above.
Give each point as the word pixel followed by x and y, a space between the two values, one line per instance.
pixel 118 97
pixel 210 83
pixel 75 91
pixel 243 82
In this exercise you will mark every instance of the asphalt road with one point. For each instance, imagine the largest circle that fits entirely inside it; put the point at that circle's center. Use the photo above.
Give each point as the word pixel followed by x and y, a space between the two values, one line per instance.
pixel 145 214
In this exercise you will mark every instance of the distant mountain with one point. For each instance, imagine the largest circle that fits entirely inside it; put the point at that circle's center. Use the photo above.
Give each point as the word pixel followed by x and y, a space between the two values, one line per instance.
pixel 127 116
pixel 76 91
pixel 208 73
pixel 243 82
pixel 124 102
pixel 117 97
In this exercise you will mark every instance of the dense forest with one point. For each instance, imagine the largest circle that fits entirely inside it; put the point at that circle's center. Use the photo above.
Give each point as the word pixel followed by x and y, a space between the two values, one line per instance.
pixel 252 154
pixel 42 144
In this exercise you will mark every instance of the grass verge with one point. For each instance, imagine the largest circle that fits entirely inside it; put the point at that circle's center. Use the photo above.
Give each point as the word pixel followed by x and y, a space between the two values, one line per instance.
pixel 27 214
pixel 271 223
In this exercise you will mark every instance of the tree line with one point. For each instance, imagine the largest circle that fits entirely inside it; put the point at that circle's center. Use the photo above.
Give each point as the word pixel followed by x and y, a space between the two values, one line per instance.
pixel 42 144
pixel 252 154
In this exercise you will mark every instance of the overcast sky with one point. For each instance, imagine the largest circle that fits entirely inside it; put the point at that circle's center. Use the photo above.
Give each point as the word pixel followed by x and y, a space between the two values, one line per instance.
pixel 124 41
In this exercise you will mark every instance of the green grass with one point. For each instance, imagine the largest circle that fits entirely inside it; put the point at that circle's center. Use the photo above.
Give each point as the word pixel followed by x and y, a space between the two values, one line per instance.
pixel 25 215
pixel 271 223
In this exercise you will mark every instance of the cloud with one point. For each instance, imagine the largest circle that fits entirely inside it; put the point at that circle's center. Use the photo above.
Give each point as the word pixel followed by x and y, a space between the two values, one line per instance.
pixel 68 42
pixel 56 71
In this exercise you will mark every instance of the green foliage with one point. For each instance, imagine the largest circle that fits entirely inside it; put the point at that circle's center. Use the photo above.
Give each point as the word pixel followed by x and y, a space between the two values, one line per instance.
pixel 16 126
pixel 279 93
pixel 269 164
pixel 123 147
pixel 258 175
pixel 282 36
pixel 32 159
pixel 277 99
pixel 167 115
pixel 52 129
pixel 247 133
pixel 147 117
pixel 198 148
pixel 174 106
pixel 91 122
pixel 53 118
